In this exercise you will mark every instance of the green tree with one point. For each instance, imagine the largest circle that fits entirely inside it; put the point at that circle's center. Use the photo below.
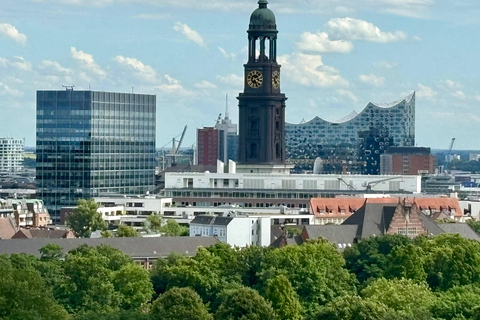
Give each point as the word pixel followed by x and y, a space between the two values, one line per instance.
pixel 249 264
pixel 107 234
pixel 172 229
pixel 369 258
pixel 458 303
pixel 406 262
pixel 284 299
pixel 407 297
pixel 126 231
pixel 315 269
pixel 134 285
pixel 153 222
pixel 25 296
pixel 51 251
pixel 243 303
pixel 201 273
pixel 452 260
pixel 353 308
pixel 85 219
pixel 180 304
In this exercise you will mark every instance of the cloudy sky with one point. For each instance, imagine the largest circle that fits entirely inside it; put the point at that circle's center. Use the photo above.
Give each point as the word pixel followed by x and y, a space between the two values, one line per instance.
pixel 336 57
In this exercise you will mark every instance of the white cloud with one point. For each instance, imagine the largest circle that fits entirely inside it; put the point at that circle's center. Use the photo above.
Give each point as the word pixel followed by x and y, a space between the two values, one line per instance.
pixel 348 94
pixel 449 84
pixel 425 92
pixel 320 42
pixel 231 79
pixel 171 85
pixel 372 79
pixel 12 32
pixel 87 62
pixel 458 94
pixel 385 65
pixel 354 29
pixel 6 90
pixel 309 70
pixel 16 62
pixel 204 84
pixel 142 71
pixel 190 33
pixel 228 55
pixel 477 97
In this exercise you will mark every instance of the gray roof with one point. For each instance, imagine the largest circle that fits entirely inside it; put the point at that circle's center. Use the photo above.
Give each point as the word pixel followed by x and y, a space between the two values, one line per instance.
pixel 333 233
pixel 371 219
pixel 461 228
pixel 431 227
pixel 136 247
pixel 211 220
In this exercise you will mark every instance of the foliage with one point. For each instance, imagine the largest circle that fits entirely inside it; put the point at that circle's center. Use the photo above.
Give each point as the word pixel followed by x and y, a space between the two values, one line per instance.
pixel 51 251
pixel 475 225
pixel 133 283
pixel 451 260
pixel 243 303
pixel 172 229
pixel 458 302
pixel 106 234
pixel 153 222
pixel 290 230
pixel 315 270
pixel 24 295
pixel 406 262
pixel 180 304
pixel 84 219
pixel 368 258
pixel 284 299
pixel 407 297
pixel 249 264
pixel 126 231
pixel 353 308
pixel 200 273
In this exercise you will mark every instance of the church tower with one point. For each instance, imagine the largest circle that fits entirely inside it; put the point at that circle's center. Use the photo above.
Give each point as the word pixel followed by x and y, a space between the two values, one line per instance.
pixel 261 104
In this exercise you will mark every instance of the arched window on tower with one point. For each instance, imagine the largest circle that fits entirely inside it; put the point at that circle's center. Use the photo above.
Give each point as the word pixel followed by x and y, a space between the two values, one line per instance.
pixel 278 151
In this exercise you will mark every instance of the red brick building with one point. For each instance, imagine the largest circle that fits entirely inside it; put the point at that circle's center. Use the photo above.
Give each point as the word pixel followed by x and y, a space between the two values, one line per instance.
pixel 207 146
pixel 406 160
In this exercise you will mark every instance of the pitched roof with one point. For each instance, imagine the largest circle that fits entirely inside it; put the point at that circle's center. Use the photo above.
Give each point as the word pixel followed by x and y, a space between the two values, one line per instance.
pixel 211 220
pixel 461 228
pixel 7 229
pixel 333 233
pixel 136 247
pixel 372 219
pixel 40 233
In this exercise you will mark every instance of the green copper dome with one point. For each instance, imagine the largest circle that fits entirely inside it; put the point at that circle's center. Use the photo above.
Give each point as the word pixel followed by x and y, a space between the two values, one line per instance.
pixel 262 18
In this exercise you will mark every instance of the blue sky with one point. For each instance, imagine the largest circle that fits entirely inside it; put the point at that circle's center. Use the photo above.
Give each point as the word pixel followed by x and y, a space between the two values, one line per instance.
pixel 336 57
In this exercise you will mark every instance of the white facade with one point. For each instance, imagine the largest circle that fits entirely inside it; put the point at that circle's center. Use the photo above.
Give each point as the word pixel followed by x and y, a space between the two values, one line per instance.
pixel 472 206
pixel 207 180
pixel 244 231
pixel 137 206
pixel 11 154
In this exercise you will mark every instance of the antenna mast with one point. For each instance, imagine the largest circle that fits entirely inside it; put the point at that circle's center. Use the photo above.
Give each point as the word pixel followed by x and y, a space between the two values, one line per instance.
pixel 226 106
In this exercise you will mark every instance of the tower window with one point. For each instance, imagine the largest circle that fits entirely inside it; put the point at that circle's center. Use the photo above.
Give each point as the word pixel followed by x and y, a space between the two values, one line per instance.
pixel 253 150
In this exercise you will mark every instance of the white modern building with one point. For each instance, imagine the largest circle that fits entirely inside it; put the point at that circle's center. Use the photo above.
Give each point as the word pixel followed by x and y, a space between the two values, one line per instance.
pixel 11 155
pixel 140 206
pixel 243 230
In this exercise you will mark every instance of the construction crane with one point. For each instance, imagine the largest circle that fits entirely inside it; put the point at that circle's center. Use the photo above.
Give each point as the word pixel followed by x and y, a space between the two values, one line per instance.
pixel 369 185
pixel 347 184
pixel 176 148
pixel 449 152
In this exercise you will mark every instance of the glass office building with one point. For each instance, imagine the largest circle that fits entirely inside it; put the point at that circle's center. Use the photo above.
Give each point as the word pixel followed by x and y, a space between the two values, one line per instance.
pixel 93 143
pixel 355 142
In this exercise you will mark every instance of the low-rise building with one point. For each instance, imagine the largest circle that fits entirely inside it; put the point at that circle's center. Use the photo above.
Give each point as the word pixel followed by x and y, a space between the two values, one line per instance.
pixel 243 230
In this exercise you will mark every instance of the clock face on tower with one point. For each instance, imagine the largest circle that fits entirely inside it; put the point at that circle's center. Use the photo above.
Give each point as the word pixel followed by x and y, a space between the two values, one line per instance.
pixel 276 79
pixel 254 79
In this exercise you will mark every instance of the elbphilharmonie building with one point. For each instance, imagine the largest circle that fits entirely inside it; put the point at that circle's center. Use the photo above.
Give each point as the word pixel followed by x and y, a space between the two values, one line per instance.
pixel 355 142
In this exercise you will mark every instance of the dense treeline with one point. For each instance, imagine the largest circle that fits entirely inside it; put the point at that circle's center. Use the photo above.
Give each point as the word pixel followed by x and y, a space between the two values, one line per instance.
pixel 390 277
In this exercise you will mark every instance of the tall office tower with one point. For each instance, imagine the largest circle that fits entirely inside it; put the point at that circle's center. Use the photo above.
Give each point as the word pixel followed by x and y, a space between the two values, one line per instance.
pixel 11 154
pixel 92 143
pixel 227 137
pixel 207 146
pixel 262 105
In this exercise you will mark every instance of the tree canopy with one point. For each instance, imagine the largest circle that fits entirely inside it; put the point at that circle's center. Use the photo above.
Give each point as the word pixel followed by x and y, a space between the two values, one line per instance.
pixel 85 219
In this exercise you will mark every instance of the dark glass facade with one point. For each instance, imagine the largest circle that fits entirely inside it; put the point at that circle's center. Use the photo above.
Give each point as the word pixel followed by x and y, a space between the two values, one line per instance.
pixel 354 143
pixel 93 143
